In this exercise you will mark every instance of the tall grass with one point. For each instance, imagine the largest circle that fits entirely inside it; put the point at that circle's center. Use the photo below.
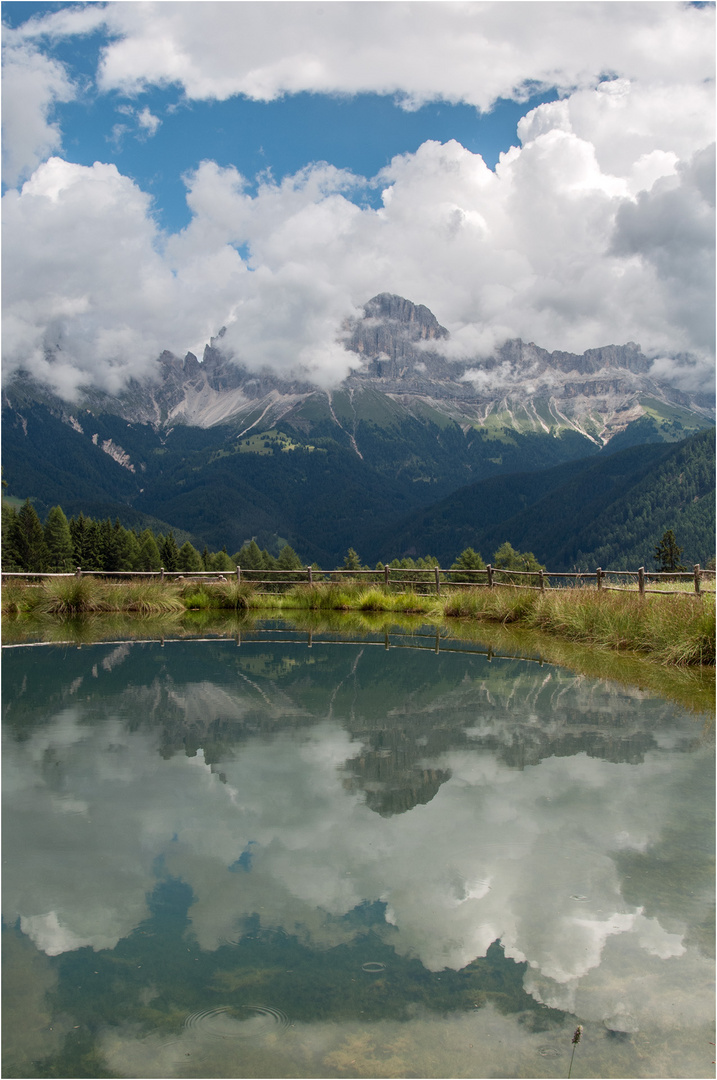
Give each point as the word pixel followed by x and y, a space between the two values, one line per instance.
pixel 671 629
pixel 88 596
pixel 675 630
pixel 66 596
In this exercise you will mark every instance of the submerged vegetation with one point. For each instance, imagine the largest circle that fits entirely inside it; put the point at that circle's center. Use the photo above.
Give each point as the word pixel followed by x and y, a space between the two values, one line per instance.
pixel 675 630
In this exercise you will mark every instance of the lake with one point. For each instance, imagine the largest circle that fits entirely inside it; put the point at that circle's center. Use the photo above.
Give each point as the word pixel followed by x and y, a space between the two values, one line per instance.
pixel 286 854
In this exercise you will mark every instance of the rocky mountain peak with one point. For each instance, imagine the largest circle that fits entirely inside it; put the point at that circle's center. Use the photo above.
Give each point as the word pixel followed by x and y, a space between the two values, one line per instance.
pixel 416 320
pixel 390 333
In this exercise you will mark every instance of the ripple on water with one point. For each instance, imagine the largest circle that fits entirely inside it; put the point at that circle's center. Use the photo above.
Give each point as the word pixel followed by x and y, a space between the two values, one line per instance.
pixel 373 967
pixel 548 1051
pixel 238 1022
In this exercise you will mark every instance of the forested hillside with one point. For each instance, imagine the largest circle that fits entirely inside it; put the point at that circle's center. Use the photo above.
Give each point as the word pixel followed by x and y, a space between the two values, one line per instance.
pixel 609 510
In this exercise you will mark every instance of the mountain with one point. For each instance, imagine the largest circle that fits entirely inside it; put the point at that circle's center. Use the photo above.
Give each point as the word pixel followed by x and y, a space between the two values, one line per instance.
pixel 227 453
pixel 609 510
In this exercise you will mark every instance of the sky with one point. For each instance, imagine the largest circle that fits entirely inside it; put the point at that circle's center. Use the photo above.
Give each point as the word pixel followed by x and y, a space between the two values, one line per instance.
pixel 538 170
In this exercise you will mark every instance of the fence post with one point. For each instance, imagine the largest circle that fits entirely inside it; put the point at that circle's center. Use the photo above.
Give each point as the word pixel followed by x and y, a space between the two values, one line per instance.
pixel 161 573
pixel 489 568
pixel 78 572
pixel 641 580
pixel 238 574
pixel 542 580
pixel 311 576
pixel 598 575
pixel 438 583
pixel 697 578
pixel 386 572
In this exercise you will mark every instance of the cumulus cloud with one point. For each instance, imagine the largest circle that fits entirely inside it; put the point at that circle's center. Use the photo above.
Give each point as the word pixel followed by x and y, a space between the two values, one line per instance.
pixel 595 228
pixel 89 296
pixel 670 229
pixel 473 53
pixel 31 85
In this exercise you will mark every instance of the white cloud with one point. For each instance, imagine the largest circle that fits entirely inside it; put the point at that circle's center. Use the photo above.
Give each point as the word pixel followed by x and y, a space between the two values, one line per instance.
pixel 596 229
pixel 671 229
pixel 529 855
pixel 31 84
pixel 148 121
pixel 420 51
pixel 86 276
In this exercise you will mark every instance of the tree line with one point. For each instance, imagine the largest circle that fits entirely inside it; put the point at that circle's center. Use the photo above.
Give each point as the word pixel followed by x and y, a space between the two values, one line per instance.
pixel 61 545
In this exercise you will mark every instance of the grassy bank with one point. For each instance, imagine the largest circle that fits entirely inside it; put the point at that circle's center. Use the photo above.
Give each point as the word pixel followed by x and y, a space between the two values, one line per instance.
pixel 677 630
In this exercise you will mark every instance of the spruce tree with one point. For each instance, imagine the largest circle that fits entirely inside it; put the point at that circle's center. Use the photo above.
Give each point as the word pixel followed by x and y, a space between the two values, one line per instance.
pixel 148 557
pixel 221 562
pixel 667 553
pixel 250 557
pixel 169 552
pixel 189 558
pixel 59 541
pixel 86 543
pixel 288 559
pixel 9 523
pixel 467 560
pixel 28 539
pixel 352 561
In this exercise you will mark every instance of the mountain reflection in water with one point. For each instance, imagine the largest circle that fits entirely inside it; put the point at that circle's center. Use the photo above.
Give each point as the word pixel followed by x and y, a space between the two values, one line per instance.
pixel 268 860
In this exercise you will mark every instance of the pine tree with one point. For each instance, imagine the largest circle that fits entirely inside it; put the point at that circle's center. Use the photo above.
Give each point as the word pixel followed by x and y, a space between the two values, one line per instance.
pixel 507 558
pixel 288 559
pixel 9 556
pixel 250 557
pixel 221 562
pixel 59 541
pixel 148 557
pixel 189 558
pixel 169 552
pixel 28 539
pixel 110 546
pixel 467 560
pixel 667 553
pixel 125 547
pixel 352 561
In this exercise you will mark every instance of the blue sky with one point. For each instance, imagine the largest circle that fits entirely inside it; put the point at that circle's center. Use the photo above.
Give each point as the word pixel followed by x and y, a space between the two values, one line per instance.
pixel 361 132
pixel 268 166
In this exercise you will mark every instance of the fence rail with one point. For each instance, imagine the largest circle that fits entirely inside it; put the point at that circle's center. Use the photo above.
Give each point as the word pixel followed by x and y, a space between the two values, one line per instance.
pixel 396 577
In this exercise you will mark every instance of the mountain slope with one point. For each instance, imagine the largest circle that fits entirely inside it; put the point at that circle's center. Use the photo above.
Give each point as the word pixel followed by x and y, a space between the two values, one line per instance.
pixel 226 453
pixel 609 510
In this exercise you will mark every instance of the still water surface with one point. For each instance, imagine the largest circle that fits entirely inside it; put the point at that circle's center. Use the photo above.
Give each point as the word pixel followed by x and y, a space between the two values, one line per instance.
pixel 250 858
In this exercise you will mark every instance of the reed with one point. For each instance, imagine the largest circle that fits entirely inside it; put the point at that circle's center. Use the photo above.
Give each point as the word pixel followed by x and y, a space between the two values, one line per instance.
pixel 577 1036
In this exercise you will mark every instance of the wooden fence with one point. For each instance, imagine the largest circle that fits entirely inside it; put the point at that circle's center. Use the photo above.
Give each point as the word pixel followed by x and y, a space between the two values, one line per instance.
pixel 426 579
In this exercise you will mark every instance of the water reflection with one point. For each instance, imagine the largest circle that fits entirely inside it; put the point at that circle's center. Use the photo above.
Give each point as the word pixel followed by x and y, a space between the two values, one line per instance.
pixel 350 861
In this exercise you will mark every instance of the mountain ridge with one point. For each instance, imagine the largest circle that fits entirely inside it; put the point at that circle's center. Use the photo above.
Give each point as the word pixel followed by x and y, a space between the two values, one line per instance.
pixel 226 454
pixel 520 386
